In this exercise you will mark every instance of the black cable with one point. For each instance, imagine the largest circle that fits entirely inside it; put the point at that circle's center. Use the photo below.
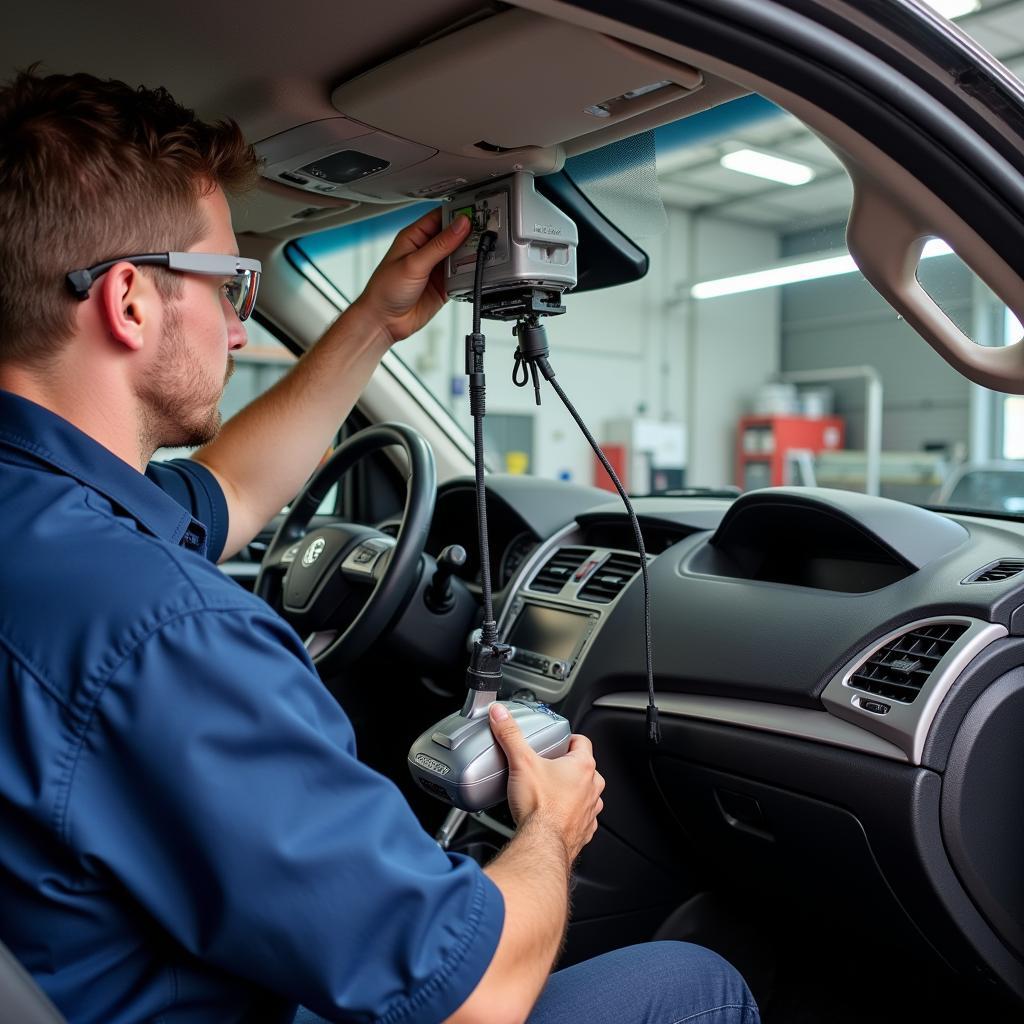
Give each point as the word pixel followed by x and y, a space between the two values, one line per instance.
pixel 653 728
pixel 483 247
pixel 490 625
pixel 475 344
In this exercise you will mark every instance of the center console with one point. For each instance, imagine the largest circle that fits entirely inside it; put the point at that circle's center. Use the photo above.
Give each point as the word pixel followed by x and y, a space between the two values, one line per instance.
pixel 548 639
pixel 559 603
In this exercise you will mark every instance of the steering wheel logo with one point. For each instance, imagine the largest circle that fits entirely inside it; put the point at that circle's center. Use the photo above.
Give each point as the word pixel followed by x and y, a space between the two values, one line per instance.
pixel 312 553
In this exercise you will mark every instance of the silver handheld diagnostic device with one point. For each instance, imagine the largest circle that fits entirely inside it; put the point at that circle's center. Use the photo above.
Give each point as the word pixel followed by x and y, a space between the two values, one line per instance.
pixel 534 256
pixel 459 761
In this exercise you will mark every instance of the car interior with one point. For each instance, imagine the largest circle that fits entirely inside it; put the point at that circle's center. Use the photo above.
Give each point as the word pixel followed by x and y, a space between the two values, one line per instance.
pixel 824 473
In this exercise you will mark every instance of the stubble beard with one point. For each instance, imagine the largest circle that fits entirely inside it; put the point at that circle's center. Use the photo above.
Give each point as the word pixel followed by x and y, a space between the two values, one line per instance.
pixel 179 404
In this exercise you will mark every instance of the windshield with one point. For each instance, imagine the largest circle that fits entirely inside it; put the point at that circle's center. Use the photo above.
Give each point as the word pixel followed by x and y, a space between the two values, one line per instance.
pixel 753 353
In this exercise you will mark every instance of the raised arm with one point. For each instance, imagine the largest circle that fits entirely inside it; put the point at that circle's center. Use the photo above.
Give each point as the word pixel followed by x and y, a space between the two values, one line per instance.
pixel 264 454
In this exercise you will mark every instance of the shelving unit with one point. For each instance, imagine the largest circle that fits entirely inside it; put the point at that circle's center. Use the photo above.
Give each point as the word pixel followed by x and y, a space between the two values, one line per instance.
pixel 764 445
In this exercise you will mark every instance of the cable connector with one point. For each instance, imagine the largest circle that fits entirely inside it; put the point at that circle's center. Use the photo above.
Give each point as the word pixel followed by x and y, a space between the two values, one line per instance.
pixel 532 352
pixel 485 661
pixel 653 727
pixel 476 345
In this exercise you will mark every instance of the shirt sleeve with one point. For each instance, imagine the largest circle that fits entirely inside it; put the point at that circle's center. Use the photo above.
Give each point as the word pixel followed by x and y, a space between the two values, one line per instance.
pixel 196 489
pixel 218 782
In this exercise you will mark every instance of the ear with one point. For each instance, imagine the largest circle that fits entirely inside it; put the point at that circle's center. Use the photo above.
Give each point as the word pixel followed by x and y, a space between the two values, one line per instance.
pixel 128 302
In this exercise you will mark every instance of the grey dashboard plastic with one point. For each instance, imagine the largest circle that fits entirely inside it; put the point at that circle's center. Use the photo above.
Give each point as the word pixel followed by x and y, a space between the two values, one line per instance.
pixel 781 643
pixel 543 505
pixel 914 535
pixel 752 639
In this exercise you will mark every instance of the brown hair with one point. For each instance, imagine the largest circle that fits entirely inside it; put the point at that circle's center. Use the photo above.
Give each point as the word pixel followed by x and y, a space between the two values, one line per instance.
pixel 93 170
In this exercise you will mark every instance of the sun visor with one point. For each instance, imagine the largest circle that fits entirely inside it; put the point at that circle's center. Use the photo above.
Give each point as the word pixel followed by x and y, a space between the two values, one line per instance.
pixel 516 81
pixel 501 95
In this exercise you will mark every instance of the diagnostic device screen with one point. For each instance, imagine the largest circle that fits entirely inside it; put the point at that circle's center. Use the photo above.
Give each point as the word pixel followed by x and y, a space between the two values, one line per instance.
pixel 547 631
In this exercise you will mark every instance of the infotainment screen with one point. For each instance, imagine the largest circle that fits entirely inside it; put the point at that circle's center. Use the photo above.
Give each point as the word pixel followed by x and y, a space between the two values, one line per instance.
pixel 548 631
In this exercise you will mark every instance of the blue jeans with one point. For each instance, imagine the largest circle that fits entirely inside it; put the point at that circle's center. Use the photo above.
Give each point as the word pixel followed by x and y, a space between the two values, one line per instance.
pixel 653 983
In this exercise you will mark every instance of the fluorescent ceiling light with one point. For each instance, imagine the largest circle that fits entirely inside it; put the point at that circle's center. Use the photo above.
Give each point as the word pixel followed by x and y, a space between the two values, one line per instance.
pixel 791 273
pixel 954 8
pixel 763 165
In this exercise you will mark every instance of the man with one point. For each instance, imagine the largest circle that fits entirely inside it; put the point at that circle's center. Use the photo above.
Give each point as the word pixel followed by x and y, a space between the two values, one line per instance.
pixel 187 834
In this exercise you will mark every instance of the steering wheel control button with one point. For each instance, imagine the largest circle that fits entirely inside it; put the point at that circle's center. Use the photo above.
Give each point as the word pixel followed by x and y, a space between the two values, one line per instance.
pixel 876 707
pixel 362 559
pixel 291 553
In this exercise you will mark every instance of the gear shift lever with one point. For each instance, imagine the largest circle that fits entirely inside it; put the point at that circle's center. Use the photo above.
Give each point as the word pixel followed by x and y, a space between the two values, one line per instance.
pixel 439 595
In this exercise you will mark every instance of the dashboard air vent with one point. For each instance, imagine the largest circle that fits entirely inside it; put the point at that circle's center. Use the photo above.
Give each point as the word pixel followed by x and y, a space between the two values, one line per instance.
pixel 558 569
pixel 900 668
pixel 997 571
pixel 609 581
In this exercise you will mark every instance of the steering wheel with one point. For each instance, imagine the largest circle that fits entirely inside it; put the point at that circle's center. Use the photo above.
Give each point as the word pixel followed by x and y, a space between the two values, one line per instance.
pixel 342 584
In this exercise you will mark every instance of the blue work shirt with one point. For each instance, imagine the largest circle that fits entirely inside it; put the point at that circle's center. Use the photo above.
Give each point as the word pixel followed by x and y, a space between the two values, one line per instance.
pixel 185 831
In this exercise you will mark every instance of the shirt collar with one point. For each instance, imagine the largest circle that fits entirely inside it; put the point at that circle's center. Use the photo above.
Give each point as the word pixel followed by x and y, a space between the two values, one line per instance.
pixel 50 439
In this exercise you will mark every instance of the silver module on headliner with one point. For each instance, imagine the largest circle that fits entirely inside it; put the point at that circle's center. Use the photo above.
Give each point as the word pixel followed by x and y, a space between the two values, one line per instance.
pixel 536 244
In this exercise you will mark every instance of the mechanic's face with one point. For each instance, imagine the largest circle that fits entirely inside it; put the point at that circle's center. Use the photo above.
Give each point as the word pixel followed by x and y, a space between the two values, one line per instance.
pixel 199 331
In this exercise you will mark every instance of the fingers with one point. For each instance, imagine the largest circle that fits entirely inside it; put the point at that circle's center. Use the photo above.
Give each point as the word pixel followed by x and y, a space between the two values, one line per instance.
pixel 508 734
pixel 432 247
pixel 413 236
pixel 421 231
pixel 580 744
pixel 581 749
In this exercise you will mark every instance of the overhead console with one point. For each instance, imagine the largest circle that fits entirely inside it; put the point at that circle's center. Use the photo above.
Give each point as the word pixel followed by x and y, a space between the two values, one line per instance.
pixel 826 539
pixel 511 92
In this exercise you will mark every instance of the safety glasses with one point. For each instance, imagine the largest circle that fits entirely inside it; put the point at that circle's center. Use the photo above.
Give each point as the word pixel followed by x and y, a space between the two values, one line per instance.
pixel 240 290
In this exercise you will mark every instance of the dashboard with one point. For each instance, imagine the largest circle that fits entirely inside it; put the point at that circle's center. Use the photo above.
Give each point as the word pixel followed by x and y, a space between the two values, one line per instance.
pixel 520 511
pixel 808 643
pixel 510 539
